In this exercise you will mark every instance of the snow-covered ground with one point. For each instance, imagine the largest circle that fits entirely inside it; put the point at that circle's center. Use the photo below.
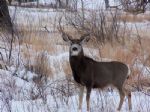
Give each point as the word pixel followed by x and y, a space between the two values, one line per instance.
pixel 18 94
pixel 18 91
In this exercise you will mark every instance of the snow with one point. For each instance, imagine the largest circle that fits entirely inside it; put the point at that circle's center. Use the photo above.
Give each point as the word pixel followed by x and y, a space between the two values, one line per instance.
pixel 35 18
pixel 19 88
pixel 106 102
pixel 46 1
pixel 89 4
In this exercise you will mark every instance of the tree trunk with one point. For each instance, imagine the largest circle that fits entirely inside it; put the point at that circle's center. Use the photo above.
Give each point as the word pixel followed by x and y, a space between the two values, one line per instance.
pixel 6 25
pixel 106 4
pixel 19 2
pixel 75 5
pixel 9 1
pixel 37 3
pixel 58 3
pixel 5 20
pixel 67 3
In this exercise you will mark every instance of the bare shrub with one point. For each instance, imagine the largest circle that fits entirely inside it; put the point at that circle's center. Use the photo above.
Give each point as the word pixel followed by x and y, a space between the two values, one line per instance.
pixel 137 83
pixel 102 25
pixel 36 40
pixel 134 6
pixel 41 67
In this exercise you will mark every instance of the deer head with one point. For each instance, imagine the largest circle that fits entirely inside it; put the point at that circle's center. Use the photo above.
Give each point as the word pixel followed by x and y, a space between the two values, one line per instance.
pixel 76 44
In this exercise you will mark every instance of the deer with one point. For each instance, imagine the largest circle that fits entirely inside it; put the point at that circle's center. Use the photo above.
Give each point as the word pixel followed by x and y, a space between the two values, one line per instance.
pixel 91 74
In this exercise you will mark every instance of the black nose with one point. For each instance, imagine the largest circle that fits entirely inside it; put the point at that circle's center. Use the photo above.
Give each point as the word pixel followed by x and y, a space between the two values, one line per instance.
pixel 74 49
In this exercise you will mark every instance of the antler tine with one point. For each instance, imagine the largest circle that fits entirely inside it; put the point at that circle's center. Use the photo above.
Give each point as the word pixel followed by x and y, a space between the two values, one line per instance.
pixel 60 29
pixel 85 35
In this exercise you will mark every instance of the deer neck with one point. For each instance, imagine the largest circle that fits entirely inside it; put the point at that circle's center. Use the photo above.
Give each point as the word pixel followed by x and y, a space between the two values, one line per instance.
pixel 75 61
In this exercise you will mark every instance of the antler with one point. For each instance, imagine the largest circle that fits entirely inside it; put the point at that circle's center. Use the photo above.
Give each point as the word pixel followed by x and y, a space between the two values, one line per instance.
pixel 60 29
pixel 85 37
pixel 65 36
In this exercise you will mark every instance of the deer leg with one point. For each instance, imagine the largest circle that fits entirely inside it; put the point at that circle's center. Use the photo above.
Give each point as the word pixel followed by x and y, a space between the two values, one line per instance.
pixel 88 98
pixel 128 94
pixel 81 97
pixel 129 101
pixel 122 95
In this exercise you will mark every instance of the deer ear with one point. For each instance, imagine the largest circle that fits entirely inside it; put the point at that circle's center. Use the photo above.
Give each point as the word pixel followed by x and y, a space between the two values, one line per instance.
pixel 85 38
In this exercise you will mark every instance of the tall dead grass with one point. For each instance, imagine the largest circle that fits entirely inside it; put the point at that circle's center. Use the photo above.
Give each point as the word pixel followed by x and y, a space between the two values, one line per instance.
pixel 67 69
pixel 41 65
pixel 134 18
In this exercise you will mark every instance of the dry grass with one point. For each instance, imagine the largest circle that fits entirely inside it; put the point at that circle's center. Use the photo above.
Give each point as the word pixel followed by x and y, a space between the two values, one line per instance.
pixel 132 18
pixel 67 69
pixel 131 49
pixel 35 42
pixel 41 65
pixel 41 68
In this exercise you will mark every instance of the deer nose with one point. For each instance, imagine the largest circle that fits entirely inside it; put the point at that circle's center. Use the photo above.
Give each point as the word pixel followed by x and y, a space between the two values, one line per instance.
pixel 74 49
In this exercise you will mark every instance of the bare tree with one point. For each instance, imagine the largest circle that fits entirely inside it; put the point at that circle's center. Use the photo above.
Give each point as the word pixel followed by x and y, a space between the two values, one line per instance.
pixel 97 24
pixel 135 6
pixel 142 4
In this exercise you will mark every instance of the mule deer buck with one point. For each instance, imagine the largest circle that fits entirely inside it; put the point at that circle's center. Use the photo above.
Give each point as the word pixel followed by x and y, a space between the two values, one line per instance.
pixel 93 74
